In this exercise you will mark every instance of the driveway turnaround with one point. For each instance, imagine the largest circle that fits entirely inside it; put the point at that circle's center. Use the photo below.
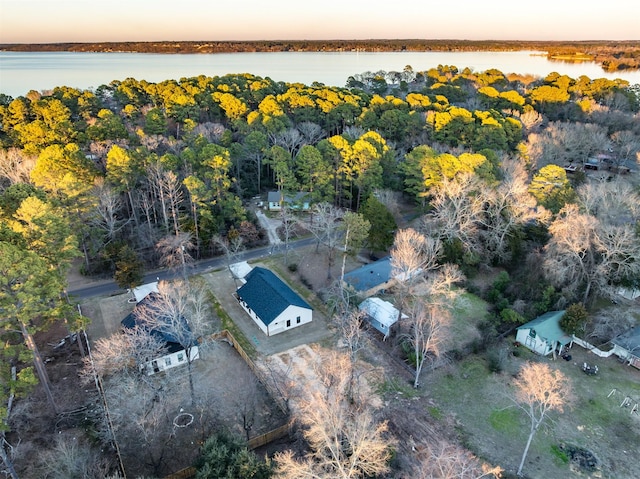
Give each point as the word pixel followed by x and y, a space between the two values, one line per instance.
pixel 223 286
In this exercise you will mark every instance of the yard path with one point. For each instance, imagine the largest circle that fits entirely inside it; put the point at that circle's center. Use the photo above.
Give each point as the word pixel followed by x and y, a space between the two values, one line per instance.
pixel 270 226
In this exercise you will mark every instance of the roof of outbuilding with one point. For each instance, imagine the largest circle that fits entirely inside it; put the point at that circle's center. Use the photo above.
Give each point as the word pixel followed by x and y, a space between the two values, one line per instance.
pixel 267 295
pixel 629 340
pixel 370 275
pixel 547 327
pixel 380 310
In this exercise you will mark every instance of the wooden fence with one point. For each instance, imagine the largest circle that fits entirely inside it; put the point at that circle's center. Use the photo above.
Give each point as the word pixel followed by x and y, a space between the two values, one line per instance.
pixel 266 438
pixel 275 395
pixel 187 473
pixel 262 439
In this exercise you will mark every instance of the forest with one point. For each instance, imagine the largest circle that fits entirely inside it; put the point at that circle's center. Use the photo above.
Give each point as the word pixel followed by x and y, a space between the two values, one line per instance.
pixel 535 176
pixel 612 56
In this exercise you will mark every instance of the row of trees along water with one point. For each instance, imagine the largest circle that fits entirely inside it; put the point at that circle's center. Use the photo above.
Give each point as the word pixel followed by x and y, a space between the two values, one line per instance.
pixel 138 174
pixel 612 56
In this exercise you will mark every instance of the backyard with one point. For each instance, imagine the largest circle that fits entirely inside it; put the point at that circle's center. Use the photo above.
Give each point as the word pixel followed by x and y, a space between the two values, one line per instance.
pixel 490 424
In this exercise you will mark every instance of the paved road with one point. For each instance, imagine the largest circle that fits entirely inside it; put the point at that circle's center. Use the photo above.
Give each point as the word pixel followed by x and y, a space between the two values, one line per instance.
pixel 110 287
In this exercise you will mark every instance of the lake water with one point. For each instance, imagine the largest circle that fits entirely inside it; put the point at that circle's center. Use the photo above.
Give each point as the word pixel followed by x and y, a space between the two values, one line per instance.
pixel 22 72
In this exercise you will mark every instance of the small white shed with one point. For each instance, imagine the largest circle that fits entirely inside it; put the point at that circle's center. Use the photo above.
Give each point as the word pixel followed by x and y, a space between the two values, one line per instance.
pixel 380 314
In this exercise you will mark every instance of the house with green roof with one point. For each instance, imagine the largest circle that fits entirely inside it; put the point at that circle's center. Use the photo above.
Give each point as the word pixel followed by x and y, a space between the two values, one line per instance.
pixel 543 335
pixel 271 303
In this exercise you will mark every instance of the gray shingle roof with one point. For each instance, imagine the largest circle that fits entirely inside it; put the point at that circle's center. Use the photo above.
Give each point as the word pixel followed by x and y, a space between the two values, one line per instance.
pixel 134 319
pixel 629 340
pixel 370 275
pixel 267 295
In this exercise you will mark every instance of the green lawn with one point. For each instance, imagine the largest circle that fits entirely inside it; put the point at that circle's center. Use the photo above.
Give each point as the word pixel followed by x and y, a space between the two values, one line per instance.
pixel 495 429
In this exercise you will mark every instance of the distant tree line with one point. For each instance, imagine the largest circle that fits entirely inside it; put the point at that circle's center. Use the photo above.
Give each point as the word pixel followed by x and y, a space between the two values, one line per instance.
pixel 612 56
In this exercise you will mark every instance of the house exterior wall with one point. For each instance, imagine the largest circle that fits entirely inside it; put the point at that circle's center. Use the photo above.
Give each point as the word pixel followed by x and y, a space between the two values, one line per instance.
pixel 378 325
pixel 253 315
pixel 276 206
pixel 279 324
pixel 630 358
pixel 169 361
pixel 535 344
pixel 288 319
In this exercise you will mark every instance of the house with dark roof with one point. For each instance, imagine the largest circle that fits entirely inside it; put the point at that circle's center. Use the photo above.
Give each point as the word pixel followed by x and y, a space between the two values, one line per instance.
pixel 627 347
pixel 543 335
pixel 271 303
pixel 371 278
pixel 175 353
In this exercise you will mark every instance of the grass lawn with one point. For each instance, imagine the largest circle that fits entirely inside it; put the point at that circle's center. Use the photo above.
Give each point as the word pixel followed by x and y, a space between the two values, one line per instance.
pixel 493 427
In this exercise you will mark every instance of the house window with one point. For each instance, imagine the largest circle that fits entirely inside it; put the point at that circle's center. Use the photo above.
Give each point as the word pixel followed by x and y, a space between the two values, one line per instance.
pixel 288 323
pixel 298 320
pixel 167 361
pixel 532 333
pixel 180 357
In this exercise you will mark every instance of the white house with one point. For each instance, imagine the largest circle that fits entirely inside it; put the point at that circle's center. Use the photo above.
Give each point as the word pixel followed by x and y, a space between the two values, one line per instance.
pixel 272 305
pixel 629 293
pixel 175 353
pixel 381 314
pixel 627 347
pixel 543 335
pixel 298 201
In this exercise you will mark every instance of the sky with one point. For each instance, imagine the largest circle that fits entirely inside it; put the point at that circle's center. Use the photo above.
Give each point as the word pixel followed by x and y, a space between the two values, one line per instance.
pixel 49 21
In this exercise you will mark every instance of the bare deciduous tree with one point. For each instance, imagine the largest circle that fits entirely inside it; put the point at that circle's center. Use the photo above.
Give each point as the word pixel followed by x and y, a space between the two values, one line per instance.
pixel 429 318
pixel 179 310
pixel 456 211
pixel 612 202
pixel 626 145
pixel 290 139
pixel 231 247
pixel 171 185
pixel 586 255
pixel 139 414
pixel 106 211
pixel 123 352
pixel 443 460
pixel 175 251
pixel 355 230
pixel 507 207
pixel 531 120
pixel 312 132
pixel 540 390
pixel 344 439
pixel 350 324
pixel 412 256
pixel 326 228
pixel 570 256
pixel 563 142
pixel 15 166
pixel 608 324
pixel 288 228
pixel 71 457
